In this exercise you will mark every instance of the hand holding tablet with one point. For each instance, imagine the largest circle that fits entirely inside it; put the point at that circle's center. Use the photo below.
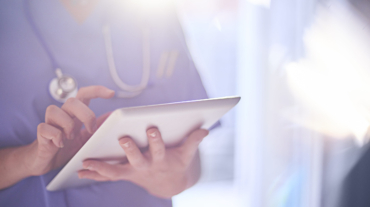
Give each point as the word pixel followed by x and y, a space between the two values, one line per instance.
pixel 163 172
pixel 127 130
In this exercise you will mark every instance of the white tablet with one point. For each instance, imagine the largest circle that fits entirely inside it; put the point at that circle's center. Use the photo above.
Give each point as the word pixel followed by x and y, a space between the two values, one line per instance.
pixel 174 120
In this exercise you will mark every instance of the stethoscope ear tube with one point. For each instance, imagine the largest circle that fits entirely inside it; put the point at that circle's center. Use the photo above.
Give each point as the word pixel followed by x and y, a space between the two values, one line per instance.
pixel 128 91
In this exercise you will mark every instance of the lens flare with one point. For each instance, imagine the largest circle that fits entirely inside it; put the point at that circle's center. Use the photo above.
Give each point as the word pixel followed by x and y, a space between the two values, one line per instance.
pixel 333 81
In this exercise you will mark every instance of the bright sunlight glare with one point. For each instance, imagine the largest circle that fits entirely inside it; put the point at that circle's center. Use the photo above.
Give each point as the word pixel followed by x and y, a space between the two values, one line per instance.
pixel 152 6
pixel 333 81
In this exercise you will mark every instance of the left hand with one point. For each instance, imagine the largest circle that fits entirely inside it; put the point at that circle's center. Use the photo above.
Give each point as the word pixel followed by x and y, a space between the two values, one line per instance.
pixel 162 172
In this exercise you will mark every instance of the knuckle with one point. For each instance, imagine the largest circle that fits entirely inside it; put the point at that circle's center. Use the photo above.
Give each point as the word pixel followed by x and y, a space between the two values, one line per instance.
pixel 51 109
pixel 95 166
pixel 115 175
pixel 130 153
pixel 69 126
pixel 81 90
pixel 140 164
pixel 41 127
pixel 90 116
pixel 71 101
pixel 58 134
pixel 100 89
pixel 159 153
pixel 130 150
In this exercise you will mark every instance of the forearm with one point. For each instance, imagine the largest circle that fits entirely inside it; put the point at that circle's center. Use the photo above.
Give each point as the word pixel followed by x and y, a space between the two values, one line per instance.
pixel 12 168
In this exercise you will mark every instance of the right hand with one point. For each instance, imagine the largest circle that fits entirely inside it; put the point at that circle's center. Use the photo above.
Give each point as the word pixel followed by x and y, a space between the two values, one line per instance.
pixel 60 137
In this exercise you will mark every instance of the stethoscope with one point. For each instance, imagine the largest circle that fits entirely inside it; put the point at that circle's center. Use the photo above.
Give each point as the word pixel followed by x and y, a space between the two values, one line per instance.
pixel 64 86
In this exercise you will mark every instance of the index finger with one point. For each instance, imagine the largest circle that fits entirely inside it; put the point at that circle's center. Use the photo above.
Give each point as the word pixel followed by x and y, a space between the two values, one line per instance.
pixel 85 94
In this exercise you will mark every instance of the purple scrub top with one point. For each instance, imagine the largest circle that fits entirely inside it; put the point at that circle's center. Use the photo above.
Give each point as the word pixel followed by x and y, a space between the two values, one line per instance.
pixel 26 70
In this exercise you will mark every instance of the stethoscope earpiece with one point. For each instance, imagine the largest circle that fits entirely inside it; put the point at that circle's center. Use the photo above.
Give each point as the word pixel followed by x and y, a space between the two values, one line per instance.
pixel 62 87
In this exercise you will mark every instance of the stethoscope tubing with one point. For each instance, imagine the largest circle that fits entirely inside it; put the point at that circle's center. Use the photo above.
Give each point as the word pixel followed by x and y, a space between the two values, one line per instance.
pixel 112 67
pixel 128 91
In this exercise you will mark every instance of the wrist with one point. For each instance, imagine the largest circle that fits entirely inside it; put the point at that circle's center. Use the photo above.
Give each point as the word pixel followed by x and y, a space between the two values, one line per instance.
pixel 12 169
pixel 28 160
pixel 24 156
pixel 194 171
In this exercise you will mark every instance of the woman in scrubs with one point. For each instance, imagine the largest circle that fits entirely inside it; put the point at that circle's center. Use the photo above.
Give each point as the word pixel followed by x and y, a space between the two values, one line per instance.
pixel 38 134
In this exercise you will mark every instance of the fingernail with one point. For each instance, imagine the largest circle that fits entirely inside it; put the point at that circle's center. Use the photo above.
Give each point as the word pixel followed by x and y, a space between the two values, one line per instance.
pixel 153 134
pixel 80 176
pixel 110 92
pixel 126 145
pixel 89 167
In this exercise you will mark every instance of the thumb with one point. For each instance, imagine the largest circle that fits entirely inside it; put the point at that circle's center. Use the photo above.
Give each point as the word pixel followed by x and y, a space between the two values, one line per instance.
pixel 190 146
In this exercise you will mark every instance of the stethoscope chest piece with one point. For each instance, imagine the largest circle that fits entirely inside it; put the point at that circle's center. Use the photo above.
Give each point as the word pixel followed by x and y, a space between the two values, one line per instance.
pixel 62 87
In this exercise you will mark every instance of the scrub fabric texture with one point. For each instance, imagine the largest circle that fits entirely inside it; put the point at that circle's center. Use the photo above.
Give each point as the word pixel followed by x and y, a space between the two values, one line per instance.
pixel 26 71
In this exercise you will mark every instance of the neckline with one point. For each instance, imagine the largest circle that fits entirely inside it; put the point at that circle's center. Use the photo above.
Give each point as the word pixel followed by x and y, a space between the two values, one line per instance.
pixel 80 12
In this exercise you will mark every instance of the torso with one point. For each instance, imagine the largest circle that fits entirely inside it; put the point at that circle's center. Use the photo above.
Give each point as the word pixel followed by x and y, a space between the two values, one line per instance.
pixel 25 73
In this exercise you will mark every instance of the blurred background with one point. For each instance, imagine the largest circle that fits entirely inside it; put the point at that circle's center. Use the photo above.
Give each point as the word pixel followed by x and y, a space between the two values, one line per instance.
pixel 298 129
